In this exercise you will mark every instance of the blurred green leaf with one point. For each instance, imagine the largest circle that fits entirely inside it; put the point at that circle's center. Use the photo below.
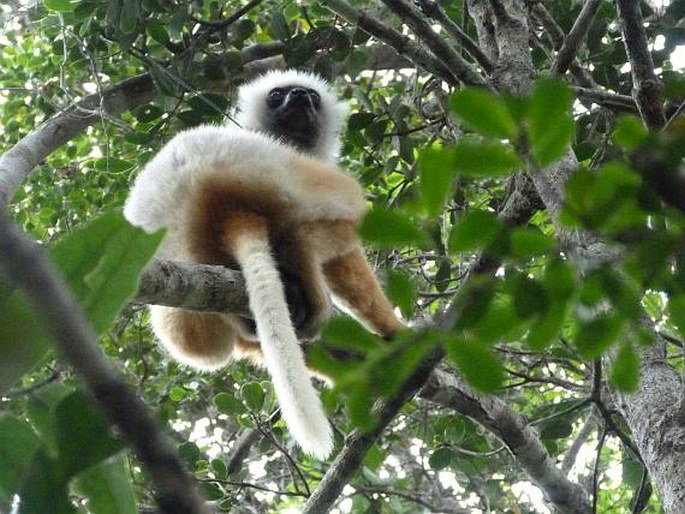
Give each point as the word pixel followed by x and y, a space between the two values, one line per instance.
pixel 102 261
pixel 253 395
pixel 61 5
pixel 484 113
pixel 474 231
pixel 528 242
pixel 629 132
pixel 18 443
pixel 625 372
pixel 436 178
pixel 593 337
pixel 83 436
pixel 477 363
pixel 108 487
pixel 384 227
pixel 550 123
pixel 440 458
pixel 229 404
pixel 484 159
pixel 402 292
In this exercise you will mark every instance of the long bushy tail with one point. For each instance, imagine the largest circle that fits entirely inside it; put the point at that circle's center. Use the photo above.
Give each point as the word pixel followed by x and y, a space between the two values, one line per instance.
pixel 300 405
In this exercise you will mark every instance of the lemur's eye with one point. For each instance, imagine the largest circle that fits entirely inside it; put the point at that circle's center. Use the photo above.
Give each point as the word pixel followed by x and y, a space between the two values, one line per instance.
pixel 315 97
pixel 275 97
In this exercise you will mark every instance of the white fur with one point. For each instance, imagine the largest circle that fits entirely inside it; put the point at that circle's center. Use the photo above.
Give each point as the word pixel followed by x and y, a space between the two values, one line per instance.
pixel 158 197
pixel 252 95
pixel 300 405
pixel 312 190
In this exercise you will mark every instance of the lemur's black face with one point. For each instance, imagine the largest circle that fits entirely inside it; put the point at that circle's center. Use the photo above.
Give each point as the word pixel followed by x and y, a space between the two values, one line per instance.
pixel 293 115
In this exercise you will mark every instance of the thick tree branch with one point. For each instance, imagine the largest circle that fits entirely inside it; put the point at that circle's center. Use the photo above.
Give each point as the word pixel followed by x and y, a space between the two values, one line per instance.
pixel 569 49
pixel 435 42
pixel 646 85
pixel 402 44
pixel 28 268
pixel 432 8
pixel 198 287
pixel 580 75
pixel 607 99
pixel 513 430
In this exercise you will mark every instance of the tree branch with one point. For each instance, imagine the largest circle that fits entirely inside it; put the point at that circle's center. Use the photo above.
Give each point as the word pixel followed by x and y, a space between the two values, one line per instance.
pixel 402 44
pixel 453 61
pixel 513 430
pixel 580 76
pixel 646 85
pixel 569 49
pixel 432 8
pixel 31 271
pixel 198 287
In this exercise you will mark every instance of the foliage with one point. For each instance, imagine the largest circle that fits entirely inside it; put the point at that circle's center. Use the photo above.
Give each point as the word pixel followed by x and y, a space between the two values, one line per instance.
pixel 437 167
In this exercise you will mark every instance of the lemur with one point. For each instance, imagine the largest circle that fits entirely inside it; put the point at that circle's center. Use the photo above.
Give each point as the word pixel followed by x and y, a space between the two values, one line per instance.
pixel 266 198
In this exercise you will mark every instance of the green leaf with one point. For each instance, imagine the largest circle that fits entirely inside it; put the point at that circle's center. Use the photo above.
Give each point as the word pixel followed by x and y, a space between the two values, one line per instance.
pixel 108 487
pixel 625 372
pixel 676 313
pixel 440 458
pixel 23 341
pixel 474 231
pixel 219 468
pixel 41 411
pixel 384 227
pixel 346 333
pixel 477 363
pixel 484 159
pixel 278 27
pixel 190 453
pixel 83 436
pixel 594 337
pixel 61 5
pixel 559 279
pixel 113 165
pixel 528 242
pixel 402 292
pixel 177 393
pixel 158 32
pixel 530 297
pixel 253 395
pixel 547 327
pixel 44 486
pixel 130 12
pixel 629 132
pixel 436 179
pixel 229 404
pixel 18 444
pixel 484 113
pixel 551 124
pixel 102 262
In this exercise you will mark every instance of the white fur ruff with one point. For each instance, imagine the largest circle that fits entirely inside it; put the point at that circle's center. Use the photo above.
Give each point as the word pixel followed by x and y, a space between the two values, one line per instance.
pixel 158 198
pixel 300 405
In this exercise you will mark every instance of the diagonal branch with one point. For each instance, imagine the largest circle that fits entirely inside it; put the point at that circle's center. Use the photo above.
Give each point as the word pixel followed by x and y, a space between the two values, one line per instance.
pixel 435 42
pixel 402 44
pixel 569 49
pixel 513 430
pixel 646 85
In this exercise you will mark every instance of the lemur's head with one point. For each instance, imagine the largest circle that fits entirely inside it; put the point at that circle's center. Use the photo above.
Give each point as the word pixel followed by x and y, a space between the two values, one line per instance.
pixel 297 108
